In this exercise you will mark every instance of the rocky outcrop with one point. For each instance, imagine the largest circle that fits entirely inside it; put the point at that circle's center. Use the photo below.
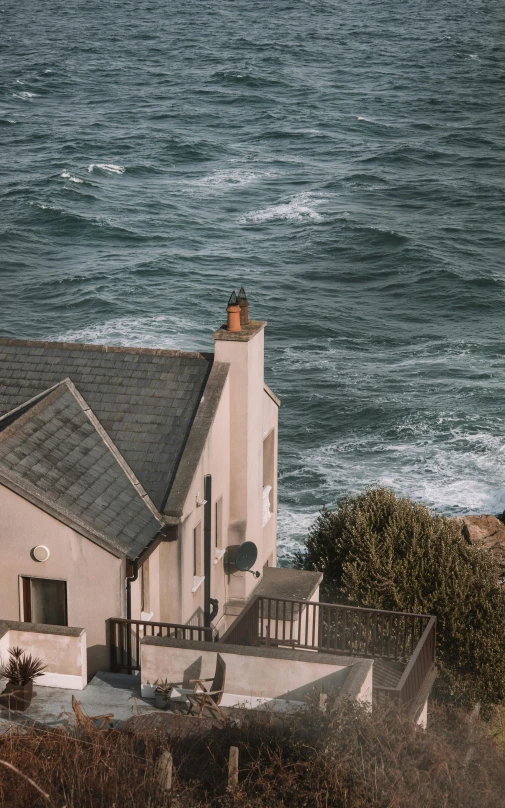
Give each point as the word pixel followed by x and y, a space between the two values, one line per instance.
pixel 486 532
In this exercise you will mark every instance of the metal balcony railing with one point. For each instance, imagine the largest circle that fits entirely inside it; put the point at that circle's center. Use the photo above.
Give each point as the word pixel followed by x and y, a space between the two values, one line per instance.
pixel 125 637
pixel 347 630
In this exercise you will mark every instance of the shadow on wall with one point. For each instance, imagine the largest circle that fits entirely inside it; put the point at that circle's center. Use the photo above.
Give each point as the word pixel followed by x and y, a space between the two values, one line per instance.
pixel 197 618
pixel 194 671
pixel 98 657
pixel 326 684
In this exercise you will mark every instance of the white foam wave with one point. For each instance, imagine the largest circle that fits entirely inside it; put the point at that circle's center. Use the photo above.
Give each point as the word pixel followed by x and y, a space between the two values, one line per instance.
pixel 228 179
pixel 108 168
pixel 67 176
pixel 300 208
pixel 25 95
pixel 451 459
pixel 371 120
pixel 48 71
pixel 307 132
pixel 451 470
pixel 474 56
pixel 155 331
pixel 293 527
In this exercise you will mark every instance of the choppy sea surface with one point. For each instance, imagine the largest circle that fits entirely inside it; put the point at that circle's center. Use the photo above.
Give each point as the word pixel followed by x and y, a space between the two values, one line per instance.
pixel 344 160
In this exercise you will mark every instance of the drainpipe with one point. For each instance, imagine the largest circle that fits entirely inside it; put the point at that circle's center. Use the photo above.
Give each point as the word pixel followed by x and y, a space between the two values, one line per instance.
pixel 207 547
pixel 129 580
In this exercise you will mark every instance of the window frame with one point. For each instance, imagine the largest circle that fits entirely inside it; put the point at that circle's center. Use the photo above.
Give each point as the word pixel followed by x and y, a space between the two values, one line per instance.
pixel 26 596
pixel 197 550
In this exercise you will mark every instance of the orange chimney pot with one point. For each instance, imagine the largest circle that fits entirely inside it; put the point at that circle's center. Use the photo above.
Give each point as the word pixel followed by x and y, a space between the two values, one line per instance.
pixel 233 310
pixel 244 306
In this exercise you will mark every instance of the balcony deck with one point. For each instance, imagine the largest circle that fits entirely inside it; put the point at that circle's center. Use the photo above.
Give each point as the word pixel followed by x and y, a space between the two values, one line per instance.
pixel 401 643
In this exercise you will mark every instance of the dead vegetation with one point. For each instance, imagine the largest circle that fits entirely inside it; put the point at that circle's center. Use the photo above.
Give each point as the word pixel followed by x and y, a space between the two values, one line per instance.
pixel 345 758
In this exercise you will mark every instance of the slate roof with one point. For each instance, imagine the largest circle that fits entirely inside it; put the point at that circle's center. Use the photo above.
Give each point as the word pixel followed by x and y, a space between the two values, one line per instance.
pixel 146 400
pixel 57 453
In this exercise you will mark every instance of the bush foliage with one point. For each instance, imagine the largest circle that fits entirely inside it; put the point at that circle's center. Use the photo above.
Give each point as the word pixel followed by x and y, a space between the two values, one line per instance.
pixel 344 758
pixel 384 551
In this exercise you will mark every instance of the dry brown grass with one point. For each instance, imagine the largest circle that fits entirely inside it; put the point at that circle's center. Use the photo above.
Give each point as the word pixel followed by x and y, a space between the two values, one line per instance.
pixel 345 758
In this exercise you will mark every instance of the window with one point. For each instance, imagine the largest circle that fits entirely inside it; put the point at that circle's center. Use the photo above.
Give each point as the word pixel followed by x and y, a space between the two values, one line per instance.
pixel 219 523
pixel 268 476
pixel 197 550
pixel 45 601
pixel 198 576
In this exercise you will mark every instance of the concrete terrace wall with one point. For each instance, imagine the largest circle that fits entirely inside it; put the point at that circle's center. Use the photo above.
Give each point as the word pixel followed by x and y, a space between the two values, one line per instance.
pixel 61 648
pixel 359 683
pixel 253 675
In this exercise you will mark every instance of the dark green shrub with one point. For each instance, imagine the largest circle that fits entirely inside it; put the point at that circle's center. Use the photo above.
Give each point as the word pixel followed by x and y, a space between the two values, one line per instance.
pixel 386 552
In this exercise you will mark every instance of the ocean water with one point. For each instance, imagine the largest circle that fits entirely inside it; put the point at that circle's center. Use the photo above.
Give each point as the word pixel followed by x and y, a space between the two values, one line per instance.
pixel 344 160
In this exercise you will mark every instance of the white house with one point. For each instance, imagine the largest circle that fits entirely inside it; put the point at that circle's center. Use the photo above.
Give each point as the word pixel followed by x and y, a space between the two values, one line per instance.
pixel 138 522
pixel 130 476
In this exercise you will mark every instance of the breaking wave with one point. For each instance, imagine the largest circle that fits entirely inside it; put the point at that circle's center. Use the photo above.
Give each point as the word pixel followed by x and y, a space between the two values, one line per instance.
pixel 155 331
pixel 107 168
pixel 302 207
pixel 229 179
pixel 24 95
pixel 65 175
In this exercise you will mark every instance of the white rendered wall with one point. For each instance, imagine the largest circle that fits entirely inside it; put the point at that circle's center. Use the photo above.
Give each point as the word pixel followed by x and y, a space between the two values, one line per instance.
pixel 94 577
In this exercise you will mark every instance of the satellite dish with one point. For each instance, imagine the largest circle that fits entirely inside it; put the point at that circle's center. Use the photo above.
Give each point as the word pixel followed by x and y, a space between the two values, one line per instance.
pixel 240 557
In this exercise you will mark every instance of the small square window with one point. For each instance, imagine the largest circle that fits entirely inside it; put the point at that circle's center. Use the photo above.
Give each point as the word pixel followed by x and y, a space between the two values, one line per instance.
pixel 45 601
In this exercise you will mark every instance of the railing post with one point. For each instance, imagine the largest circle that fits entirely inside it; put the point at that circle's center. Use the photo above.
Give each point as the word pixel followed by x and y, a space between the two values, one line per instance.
pixel 113 645
pixel 256 625
pixel 128 628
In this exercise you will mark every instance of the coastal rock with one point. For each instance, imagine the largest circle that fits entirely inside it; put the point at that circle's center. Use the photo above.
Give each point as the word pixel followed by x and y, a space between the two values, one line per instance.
pixel 486 532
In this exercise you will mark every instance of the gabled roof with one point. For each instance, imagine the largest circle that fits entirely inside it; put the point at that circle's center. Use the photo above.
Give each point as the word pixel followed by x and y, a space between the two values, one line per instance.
pixel 146 400
pixel 55 452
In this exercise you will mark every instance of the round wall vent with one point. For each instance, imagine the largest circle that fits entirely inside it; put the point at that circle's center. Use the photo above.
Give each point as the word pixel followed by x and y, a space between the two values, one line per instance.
pixel 41 552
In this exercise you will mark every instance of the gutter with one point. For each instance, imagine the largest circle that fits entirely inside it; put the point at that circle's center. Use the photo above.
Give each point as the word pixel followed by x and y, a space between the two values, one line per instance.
pixel 129 580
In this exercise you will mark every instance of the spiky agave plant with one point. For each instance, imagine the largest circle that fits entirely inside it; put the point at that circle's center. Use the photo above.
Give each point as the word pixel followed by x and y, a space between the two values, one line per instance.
pixel 21 668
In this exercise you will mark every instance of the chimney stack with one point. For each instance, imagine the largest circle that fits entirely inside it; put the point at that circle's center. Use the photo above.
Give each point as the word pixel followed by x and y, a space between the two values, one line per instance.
pixel 233 310
pixel 244 306
pixel 241 348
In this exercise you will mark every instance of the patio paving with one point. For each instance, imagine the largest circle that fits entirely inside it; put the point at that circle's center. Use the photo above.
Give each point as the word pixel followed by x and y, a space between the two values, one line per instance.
pixel 106 693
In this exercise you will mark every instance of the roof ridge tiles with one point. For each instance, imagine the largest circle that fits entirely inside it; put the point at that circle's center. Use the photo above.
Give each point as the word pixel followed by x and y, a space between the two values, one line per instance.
pixel 13 415
pixel 87 346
